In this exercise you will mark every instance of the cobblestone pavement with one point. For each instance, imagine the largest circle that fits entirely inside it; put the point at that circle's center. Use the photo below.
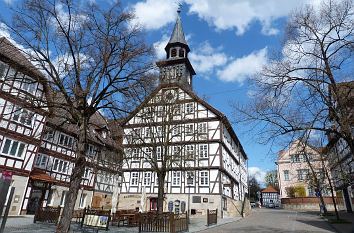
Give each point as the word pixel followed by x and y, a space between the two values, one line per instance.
pixel 276 221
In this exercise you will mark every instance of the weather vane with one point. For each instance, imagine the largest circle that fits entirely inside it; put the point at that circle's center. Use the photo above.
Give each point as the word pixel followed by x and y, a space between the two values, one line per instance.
pixel 179 3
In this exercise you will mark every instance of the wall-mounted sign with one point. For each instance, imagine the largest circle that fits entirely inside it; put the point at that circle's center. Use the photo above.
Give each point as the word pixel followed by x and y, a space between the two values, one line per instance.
pixel 205 200
pixel 170 206
pixel 6 175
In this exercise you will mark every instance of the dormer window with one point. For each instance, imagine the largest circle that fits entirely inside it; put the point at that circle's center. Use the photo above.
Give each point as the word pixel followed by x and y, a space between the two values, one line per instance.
pixel 173 52
pixel 181 53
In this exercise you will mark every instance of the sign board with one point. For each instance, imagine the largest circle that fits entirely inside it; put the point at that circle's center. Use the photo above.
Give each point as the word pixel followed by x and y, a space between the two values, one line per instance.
pixel 170 206
pixel 96 221
pixel 6 175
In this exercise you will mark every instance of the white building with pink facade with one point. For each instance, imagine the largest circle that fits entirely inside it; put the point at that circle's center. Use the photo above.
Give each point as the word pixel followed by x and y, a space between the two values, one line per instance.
pixel 295 171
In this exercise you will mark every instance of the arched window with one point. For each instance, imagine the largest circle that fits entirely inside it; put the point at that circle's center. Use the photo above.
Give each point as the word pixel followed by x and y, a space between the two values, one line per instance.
pixel 181 53
pixel 173 52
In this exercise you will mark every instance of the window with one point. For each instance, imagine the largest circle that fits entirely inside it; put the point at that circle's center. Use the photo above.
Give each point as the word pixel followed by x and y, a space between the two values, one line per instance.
pixel 176 178
pixel 203 178
pixel 147 132
pixel 147 178
pixel 295 158
pixel 190 174
pixel 63 198
pixel 159 131
pixel 160 111
pixel 50 198
pixel 202 128
pixel 60 166
pixel 136 133
pixel 181 52
pixel 189 151
pixel 176 130
pixel 86 173
pixel 82 202
pixel 65 140
pixel 41 160
pixel 189 129
pixel 158 153
pixel 13 148
pixel 176 150
pixel 91 150
pixel 286 175
pixel 135 153
pixel 148 153
pixel 134 180
pixel 49 135
pixel 23 116
pixel 177 109
pixel 173 52
pixel 203 151
pixel 302 174
pixel 3 70
pixel 189 108
pixel 29 85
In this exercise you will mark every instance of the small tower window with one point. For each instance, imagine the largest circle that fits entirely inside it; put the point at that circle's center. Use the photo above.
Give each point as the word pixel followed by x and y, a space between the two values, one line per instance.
pixel 181 53
pixel 173 52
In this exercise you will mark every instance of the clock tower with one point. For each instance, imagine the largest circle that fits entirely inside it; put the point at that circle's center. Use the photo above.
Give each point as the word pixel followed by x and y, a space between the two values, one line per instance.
pixel 176 68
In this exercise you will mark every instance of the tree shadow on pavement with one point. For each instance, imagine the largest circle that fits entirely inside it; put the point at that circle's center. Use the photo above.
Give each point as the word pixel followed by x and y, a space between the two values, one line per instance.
pixel 321 224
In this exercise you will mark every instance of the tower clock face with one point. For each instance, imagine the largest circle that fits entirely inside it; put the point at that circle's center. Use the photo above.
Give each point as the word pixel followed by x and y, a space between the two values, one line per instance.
pixel 170 96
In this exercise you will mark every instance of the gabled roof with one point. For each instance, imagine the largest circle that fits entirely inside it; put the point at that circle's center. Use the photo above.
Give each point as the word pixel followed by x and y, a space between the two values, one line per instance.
pixel 269 189
pixel 219 114
pixel 13 55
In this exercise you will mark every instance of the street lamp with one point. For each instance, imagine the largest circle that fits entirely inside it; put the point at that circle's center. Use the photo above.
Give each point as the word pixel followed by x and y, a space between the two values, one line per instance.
pixel 189 183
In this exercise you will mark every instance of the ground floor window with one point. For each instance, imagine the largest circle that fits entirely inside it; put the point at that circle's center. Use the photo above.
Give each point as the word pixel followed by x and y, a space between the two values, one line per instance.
pixel 224 203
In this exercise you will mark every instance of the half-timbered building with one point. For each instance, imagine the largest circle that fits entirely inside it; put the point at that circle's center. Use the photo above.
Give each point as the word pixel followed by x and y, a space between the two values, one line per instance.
pixel 38 147
pixel 198 139
pixel 56 158
pixel 21 120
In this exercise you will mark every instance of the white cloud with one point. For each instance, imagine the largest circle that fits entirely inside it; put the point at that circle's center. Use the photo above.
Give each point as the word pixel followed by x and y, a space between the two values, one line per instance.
pixel 238 15
pixel 154 14
pixel 206 58
pixel 258 173
pixel 160 45
pixel 245 67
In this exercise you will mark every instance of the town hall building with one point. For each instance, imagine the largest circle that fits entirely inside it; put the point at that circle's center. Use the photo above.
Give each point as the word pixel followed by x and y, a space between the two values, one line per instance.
pixel 176 132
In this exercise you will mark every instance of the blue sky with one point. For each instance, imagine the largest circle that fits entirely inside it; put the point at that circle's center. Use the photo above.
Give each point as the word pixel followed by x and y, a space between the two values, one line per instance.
pixel 230 41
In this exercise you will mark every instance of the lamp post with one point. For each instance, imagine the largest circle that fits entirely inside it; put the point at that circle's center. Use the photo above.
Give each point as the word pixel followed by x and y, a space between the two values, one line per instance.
pixel 189 183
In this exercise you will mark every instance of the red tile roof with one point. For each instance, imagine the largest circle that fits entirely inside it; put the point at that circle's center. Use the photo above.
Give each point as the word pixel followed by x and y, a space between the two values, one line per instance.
pixel 269 189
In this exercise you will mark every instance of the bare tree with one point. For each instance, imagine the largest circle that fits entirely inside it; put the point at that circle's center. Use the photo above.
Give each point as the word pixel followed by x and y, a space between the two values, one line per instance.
pixel 300 86
pixel 91 56
pixel 301 89
pixel 161 138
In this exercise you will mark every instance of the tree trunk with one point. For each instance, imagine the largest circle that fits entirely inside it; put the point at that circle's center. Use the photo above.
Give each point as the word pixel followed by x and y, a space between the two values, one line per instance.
pixel 160 197
pixel 75 181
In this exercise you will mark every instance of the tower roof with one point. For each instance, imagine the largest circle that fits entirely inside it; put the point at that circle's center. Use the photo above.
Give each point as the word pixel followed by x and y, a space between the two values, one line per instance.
pixel 177 36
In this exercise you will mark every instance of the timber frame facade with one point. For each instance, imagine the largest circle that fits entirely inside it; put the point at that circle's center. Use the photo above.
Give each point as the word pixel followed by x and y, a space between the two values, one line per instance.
pixel 198 140
pixel 39 149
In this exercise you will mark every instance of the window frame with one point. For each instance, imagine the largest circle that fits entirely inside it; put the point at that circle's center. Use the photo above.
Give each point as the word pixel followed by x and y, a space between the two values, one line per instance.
pixel 134 178
pixel 203 154
pixel 176 178
pixel 204 178
pixel 10 148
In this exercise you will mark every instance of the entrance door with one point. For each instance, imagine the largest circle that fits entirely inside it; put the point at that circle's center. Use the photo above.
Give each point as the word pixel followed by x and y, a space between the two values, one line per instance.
pixel 33 201
pixel 153 204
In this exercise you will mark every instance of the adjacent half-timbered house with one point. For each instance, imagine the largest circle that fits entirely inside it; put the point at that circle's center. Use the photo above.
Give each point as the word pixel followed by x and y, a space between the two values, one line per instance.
pixel 56 158
pixel 21 119
pixel 176 130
